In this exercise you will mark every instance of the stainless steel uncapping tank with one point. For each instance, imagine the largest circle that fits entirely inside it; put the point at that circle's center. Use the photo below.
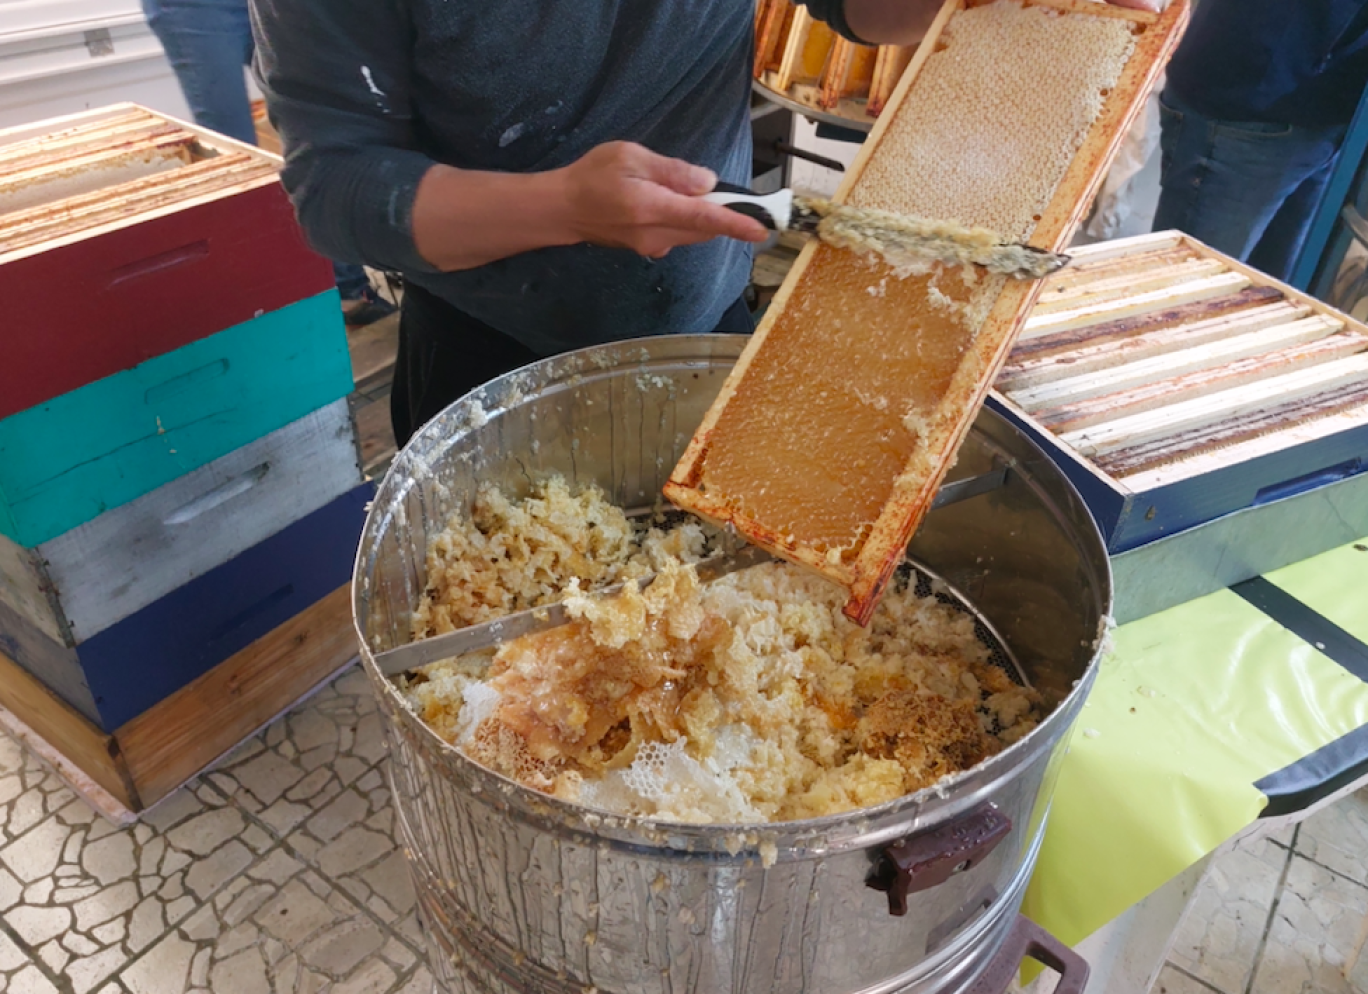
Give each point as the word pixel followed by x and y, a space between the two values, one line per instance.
pixel 522 893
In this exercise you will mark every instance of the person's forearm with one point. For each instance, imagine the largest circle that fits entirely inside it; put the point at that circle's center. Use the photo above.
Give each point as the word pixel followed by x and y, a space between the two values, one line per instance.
pixel 617 195
pixel 463 219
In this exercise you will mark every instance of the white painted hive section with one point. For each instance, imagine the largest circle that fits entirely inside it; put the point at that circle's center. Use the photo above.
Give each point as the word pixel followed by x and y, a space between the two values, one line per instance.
pixel 131 556
pixel 1204 364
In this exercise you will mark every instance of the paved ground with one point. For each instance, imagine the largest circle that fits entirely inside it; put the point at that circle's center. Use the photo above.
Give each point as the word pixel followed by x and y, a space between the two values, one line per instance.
pixel 278 872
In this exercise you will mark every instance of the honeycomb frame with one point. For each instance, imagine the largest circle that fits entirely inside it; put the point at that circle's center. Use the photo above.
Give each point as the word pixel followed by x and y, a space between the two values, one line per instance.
pixel 867 566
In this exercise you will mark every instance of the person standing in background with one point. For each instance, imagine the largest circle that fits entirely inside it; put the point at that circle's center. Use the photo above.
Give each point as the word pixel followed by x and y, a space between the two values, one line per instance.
pixel 1259 96
pixel 209 45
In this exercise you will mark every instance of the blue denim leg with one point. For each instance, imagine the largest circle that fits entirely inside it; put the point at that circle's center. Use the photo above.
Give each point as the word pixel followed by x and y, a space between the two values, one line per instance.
pixel 1281 245
pixel 352 282
pixel 1242 186
pixel 208 42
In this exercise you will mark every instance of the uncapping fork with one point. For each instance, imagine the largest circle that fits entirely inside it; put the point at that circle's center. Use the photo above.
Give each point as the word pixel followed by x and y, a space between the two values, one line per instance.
pixel 785 210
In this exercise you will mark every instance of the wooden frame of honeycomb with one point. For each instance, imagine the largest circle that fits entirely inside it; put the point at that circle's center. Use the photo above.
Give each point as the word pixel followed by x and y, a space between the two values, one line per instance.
pixel 120 164
pixel 802 59
pixel 832 434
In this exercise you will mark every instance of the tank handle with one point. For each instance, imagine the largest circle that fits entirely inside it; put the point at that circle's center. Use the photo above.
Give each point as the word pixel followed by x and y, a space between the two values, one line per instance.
pixel 1029 940
pixel 920 862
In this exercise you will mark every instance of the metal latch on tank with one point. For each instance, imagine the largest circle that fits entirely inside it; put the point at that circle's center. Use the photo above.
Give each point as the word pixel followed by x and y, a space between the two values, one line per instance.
pixel 921 862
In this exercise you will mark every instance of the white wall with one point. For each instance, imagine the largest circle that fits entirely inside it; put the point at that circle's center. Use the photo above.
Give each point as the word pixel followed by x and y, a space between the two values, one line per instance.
pixel 810 178
pixel 64 56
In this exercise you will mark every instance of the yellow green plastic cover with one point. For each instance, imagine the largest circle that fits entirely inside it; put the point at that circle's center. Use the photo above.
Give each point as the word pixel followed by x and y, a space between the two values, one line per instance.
pixel 1194 706
pixel 1334 584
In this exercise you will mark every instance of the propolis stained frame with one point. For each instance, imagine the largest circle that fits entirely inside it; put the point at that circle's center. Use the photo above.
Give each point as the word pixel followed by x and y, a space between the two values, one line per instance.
pixel 1302 437
pixel 867 572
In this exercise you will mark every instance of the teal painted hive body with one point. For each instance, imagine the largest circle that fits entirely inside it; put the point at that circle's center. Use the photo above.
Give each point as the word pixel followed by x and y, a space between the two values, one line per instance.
pixel 70 459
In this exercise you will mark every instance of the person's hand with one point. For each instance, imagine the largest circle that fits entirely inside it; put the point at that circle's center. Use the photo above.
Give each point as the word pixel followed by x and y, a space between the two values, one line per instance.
pixel 623 195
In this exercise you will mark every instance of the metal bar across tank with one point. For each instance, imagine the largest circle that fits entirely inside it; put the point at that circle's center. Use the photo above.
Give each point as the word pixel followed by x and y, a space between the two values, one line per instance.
pixel 538 619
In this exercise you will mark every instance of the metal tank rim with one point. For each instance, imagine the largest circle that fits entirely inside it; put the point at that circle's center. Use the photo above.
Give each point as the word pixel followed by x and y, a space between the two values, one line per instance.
pixel 784 841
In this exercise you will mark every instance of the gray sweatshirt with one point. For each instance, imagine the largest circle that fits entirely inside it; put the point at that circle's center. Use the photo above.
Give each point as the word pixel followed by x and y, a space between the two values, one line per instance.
pixel 368 94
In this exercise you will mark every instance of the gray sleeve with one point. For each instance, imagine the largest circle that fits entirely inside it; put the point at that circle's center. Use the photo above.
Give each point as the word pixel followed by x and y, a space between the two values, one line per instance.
pixel 335 74
pixel 833 13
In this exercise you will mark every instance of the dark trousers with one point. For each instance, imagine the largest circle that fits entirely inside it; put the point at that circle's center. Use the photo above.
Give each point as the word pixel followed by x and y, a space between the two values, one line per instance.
pixel 445 353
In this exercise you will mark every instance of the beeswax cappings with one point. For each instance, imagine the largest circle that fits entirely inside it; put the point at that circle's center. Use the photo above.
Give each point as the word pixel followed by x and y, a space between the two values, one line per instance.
pixel 749 699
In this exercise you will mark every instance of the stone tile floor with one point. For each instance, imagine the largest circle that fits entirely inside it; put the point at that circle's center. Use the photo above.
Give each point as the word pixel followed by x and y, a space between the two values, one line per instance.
pixel 277 873
pixel 1286 914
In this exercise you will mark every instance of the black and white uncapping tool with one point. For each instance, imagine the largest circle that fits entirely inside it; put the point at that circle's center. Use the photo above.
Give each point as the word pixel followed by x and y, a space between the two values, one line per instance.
pixel 894 236
pixel 779 211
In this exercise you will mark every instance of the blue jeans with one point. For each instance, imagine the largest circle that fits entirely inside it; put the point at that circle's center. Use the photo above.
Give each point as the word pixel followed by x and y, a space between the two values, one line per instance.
pixel 1247 189
pixel 208 43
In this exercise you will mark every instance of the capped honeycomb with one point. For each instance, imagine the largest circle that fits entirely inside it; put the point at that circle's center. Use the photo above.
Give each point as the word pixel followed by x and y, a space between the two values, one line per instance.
pixel 996 116
pixel 833 432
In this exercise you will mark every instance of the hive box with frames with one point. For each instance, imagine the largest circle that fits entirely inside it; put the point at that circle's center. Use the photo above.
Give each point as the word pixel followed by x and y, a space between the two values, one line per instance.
pixel 1215 420
pixel 172 313
pixel 179 479
pixel 125 235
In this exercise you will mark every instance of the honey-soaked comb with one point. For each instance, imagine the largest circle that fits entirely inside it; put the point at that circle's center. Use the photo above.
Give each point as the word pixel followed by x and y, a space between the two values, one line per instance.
pixel 744 700
pixel 829 439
